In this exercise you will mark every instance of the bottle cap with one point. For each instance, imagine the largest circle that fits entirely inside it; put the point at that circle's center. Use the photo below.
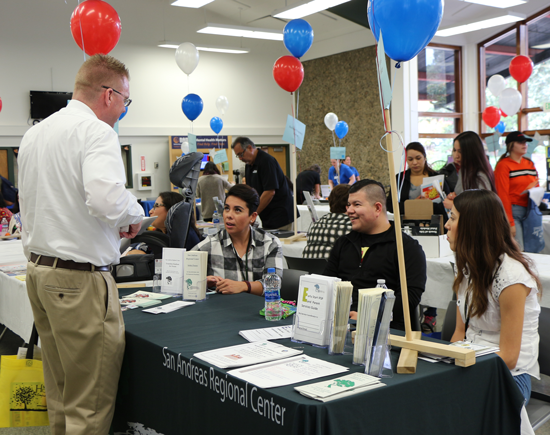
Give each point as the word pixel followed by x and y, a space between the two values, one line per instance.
pixel 381 281
pixel 271 270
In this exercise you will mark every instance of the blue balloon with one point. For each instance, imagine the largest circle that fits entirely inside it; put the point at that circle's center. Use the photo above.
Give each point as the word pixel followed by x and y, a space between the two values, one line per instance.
pixel 407 25
pixel 216 124
pixel 298 37
pixel 192 106
pixel 341 129
pixel 500 127
pixel 123 114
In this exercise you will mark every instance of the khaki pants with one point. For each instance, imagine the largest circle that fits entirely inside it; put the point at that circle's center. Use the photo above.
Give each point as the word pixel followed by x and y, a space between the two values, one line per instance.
pixel 77 315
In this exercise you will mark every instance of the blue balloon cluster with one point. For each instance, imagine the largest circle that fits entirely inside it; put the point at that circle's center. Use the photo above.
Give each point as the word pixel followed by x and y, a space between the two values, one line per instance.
pixel 407 25
pixel 216 124
pixel 500 127
pixel 192 106
pixel 298 37
pixel 341 129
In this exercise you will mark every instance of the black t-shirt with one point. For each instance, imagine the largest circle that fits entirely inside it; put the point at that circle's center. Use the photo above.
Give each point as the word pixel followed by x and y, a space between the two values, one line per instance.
pixel 266 174
pixel 306 181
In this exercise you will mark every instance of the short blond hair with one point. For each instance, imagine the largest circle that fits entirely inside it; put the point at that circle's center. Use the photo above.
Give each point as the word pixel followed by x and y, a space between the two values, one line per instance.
pixel 99 70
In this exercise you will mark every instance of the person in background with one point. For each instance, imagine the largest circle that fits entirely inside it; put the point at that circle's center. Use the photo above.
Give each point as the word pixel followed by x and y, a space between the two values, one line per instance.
pixel 514 174
pixel 211 184
pixel 322 234
pixel 5 212
pixel 450 170
pixel 412 189
pixel 74 209
pixel 475 170
pixel 369 251
pixel 309 181
pixel 339 174
pixel 412 179
pixel 347 161
pixel 264 174
pixel 239 255
pixel 163 203
pixel 496 286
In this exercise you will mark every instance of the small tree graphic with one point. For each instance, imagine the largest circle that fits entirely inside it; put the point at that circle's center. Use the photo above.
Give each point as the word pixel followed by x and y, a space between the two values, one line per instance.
pixel 24 396
pixel 189 282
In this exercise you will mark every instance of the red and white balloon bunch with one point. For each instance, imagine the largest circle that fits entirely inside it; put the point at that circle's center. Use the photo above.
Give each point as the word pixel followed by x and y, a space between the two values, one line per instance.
pixel 509 99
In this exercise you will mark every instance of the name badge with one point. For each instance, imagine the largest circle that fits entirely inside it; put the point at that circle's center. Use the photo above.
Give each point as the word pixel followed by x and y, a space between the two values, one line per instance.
pixel 255 171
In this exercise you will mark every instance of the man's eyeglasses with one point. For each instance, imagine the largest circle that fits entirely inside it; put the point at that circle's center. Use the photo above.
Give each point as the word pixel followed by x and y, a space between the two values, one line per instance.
pixel 157 205
pixel 127 101
pixel 240 155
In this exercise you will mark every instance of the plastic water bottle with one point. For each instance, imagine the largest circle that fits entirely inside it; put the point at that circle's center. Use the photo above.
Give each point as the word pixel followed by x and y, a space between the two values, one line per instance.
pixel 273 309
pixel 381 283
pixel 216 220
pixel 5 228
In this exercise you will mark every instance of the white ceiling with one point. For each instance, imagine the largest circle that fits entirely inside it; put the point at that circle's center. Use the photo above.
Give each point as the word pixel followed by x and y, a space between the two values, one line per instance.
pixel 147 22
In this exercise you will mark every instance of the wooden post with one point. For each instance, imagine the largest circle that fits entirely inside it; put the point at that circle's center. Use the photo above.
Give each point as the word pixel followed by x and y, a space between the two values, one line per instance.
pixel 293 170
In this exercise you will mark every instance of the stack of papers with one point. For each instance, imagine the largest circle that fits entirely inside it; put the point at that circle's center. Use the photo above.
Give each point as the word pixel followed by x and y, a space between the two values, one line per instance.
pixel 479 349
pixel 195 266
pixel 264 334
pixel 168 308
pixel 340 317
pixel 340 387
pixel 288 371
pixel 143 299
pixel 247 354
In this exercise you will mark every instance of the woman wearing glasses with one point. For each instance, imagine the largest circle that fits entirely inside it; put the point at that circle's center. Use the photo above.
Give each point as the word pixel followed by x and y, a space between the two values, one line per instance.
pixel 239 254
pixel 162 204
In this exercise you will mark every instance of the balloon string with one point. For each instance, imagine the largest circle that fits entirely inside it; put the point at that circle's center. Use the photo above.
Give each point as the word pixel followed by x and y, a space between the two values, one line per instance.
pixel 402 163
pixel 380 94
pixel 333 139
pixel 293 118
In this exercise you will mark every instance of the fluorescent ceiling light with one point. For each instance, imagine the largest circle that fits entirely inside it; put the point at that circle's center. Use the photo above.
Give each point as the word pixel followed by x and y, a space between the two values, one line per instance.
pixel 191 3
pixel 498 3
pixel 303 9
pixel 175 45
pixel 240 31
pixel 511 17
pixel 542 46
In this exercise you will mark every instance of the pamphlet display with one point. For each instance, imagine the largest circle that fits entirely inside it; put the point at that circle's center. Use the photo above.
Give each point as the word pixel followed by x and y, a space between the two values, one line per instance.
pixel 339 330
pixel 172 270
pixel 314 310
pixel 194 274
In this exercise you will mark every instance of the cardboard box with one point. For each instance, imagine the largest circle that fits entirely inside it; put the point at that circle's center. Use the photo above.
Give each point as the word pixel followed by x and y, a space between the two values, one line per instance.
pixel 420 219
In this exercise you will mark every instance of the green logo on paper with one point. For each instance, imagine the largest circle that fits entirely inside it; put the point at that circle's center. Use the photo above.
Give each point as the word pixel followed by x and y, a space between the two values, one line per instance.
pixel 342 383
pixel 189 283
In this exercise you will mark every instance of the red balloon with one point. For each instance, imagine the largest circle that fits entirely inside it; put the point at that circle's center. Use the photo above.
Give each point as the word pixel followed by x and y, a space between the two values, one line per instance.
pixel 503 114
pixel 288 72
pixel 98 23
pixel 521 68
pixel 0 104
pixel 491 116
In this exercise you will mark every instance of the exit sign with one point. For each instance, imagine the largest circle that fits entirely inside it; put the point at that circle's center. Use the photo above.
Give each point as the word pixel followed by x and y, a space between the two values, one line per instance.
pixel 546 107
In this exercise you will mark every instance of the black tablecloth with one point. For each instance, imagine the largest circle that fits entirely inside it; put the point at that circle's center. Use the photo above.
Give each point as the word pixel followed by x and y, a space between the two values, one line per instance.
pixel 165 390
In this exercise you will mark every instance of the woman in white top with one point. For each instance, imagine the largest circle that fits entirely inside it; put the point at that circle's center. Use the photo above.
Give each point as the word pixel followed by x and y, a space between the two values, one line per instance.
pixel 496 286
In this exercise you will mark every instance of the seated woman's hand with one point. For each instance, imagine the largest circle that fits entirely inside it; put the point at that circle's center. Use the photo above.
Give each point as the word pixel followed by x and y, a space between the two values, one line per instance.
pixel 228 286
pixel 211 281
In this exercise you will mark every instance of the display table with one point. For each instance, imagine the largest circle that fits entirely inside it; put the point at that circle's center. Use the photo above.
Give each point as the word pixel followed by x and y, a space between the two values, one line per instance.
pixel 304 221
pixel 164 390
pixel 15 307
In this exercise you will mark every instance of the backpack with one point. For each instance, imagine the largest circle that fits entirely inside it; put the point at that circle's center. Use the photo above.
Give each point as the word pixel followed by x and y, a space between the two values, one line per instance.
pixel 9 191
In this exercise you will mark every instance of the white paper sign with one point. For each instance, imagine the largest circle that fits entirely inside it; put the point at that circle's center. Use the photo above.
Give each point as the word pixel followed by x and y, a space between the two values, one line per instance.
pixel 172 270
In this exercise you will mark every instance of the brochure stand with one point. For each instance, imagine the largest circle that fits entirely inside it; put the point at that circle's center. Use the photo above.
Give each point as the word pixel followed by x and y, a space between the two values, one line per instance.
pixel 315 333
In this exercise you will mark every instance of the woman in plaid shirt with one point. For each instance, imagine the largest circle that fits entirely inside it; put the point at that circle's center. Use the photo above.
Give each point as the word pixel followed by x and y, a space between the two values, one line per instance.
pixel 241 254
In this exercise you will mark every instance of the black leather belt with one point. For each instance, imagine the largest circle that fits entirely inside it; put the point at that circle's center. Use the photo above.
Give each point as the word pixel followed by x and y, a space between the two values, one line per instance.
pixel 43 260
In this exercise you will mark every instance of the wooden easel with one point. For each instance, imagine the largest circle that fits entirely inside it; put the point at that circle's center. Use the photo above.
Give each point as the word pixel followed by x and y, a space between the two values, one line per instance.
pixel 411 344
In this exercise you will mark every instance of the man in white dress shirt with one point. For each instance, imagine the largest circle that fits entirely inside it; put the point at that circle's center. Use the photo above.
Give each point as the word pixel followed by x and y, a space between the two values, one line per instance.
pixel 74 209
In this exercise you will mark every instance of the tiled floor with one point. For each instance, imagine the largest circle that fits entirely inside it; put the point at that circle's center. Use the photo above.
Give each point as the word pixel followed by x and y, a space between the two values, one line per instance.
pixel 10 342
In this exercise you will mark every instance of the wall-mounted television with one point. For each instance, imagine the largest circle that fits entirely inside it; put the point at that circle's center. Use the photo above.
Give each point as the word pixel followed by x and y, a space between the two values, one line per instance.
pixel 44 103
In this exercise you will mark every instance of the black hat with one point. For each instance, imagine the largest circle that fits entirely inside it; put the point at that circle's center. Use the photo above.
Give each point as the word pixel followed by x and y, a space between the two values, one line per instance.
pixel 517 136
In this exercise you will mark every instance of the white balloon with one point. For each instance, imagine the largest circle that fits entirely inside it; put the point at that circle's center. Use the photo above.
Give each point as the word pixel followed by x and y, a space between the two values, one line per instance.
pixel 510 101
pixel 496 84
pixel 331 120
pixel 222 103
pixel 185 147
pixel 187 57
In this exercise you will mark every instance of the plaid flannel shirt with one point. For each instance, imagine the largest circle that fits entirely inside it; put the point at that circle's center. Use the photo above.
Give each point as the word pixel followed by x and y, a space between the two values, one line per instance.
pixel 265 251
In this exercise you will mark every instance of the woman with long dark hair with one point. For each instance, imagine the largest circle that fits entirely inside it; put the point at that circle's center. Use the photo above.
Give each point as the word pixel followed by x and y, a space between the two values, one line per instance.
pixel 240 255
pixel 475 171
pixel 514 175
pixel 412 179
pixel 496 285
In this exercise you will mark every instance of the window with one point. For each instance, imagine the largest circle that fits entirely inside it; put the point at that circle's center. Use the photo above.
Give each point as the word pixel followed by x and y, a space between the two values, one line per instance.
pixel 530 38
pixel 439 100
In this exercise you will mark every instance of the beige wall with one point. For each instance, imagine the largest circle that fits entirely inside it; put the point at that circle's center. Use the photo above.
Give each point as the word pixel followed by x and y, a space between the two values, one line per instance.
pixel 345 84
